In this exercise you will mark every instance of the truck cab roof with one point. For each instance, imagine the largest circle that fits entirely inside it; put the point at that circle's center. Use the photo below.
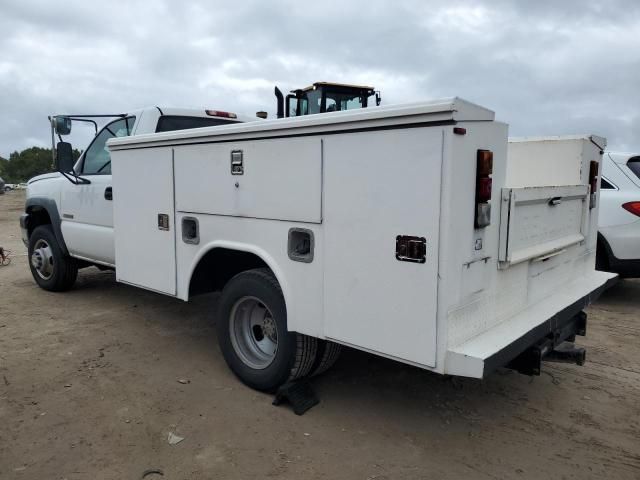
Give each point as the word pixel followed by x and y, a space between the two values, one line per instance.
pixel 203 113
pixel 336 85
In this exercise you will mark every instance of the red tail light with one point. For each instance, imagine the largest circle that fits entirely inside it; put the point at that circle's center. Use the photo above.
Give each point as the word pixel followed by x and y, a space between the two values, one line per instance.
pixel 484 189
pixel 632 207
pixel 220 113
pixel 484 169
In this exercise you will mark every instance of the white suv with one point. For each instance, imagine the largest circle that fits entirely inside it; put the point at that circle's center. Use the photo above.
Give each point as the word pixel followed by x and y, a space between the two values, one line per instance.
pixel 619 219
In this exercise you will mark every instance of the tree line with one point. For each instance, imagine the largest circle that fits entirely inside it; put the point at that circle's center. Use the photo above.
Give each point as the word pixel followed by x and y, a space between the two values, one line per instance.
pixel 21 166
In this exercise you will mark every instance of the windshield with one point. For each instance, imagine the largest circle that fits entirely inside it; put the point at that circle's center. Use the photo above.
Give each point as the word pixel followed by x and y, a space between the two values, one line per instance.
pixel 343 101
pixel 97 160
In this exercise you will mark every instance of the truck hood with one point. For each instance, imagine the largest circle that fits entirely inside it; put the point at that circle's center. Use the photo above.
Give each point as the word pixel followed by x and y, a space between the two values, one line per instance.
pixel 44 176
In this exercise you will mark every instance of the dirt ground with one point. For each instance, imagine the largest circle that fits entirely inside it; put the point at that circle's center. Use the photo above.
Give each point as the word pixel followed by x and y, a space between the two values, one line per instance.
pixel 89 389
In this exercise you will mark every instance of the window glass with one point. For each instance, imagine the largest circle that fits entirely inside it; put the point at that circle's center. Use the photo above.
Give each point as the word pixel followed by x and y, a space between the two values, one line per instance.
pixel 97 160
pixel 293 104
pixel 605 185
pixel 314 97
pixel 343 101
pixel 634 165
pixel 168 123
pixel 350 103
pixel 304 107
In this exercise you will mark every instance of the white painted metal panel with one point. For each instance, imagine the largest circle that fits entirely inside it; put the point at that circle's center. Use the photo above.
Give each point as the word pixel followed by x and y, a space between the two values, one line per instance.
pixel 145 254
pixel 378 186
pixel 281 180
pixel 87 241
pixel 87 219
pixel 544 163
pixel 540 221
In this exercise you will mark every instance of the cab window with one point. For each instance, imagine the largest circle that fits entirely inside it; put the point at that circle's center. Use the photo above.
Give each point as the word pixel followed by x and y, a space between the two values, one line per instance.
pixel 170 123
pixel 314 99
pixel 97 160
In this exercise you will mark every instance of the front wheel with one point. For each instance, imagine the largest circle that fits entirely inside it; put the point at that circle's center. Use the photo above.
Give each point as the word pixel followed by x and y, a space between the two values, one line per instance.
pixel 253 335
pixel 51 269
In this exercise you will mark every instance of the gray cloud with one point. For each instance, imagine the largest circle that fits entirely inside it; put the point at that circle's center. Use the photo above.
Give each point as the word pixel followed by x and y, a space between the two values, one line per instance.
pixel 545 67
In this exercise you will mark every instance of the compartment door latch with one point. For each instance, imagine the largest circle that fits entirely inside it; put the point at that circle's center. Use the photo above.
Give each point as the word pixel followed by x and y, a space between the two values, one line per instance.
pixel 163 221
pixel 237 162
pixel 411 249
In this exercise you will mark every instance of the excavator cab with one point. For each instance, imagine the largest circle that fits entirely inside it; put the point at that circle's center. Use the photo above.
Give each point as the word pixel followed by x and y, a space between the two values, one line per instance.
pixel 324 97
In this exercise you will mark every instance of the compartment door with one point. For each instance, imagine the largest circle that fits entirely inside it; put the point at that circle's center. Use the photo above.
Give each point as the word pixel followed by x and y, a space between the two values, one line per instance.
pixel 144 218
pixel 378 186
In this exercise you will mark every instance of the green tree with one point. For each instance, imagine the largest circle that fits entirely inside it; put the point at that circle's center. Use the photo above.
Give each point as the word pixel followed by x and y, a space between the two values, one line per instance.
pixel 21 166
pixel 3 165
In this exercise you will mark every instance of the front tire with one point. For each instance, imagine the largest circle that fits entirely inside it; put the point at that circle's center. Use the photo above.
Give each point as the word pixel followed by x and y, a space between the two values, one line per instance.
pixel 253 335
pixel 51 269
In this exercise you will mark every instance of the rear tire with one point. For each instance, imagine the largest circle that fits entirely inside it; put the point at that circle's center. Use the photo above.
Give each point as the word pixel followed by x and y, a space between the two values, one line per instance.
pixel 253 335
pixel 51 269
pixel 327 354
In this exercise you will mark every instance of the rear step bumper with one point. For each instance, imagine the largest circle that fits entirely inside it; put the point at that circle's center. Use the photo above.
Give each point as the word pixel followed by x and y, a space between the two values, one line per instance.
pixel 515 344
pixel 555 346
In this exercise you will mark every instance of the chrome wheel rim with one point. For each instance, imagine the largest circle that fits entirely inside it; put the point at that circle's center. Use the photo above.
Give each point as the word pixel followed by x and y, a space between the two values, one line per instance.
pixel 253 332
pixel 42 259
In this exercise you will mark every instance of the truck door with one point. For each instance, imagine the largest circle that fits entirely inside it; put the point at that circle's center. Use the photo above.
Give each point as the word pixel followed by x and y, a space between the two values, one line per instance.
pixel 87 210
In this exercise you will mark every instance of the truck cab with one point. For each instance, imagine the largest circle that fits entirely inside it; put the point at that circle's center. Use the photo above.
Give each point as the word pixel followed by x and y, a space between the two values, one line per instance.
pixel 75 204
pixel 325 97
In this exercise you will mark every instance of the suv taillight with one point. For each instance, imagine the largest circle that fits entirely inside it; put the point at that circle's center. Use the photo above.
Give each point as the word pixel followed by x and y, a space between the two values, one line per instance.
pixel 632 207
pixel 484 169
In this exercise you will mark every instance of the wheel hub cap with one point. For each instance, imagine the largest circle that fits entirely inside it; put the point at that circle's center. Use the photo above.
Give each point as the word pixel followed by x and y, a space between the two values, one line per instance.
pixel 42 259
pixel 253 332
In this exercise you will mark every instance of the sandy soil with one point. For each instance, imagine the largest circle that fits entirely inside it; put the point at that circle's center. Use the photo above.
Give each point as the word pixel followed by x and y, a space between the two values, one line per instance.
pixel 89 389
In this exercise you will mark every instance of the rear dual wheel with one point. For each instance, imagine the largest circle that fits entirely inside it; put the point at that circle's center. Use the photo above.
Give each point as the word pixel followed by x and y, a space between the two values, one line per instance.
pixel 254 339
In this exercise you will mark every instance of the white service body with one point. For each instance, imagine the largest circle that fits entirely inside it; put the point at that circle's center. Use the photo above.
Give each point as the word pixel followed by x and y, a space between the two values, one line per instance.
pixel 357 180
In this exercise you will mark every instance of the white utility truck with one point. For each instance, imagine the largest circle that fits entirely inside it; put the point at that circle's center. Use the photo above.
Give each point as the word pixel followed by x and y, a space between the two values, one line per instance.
pixel 403 231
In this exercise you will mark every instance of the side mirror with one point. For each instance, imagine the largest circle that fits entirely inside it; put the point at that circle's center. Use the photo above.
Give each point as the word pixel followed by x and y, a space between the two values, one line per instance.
pixel 64 157
pixel 62 125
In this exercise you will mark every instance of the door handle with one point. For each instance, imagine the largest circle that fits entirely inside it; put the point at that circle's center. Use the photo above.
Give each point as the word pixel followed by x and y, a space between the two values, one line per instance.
pixel 108 193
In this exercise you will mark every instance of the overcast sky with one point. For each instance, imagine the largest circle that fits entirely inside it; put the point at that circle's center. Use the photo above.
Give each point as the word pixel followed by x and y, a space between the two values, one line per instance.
pixel 544 67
